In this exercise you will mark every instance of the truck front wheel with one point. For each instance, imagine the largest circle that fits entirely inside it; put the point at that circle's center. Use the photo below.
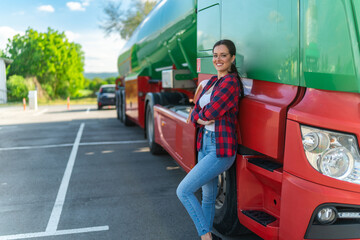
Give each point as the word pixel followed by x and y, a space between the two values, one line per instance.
pixel 150 131
pixel 226 219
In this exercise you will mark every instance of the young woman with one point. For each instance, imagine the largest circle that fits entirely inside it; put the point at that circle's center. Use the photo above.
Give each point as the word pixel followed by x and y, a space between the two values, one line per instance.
pixel 215 114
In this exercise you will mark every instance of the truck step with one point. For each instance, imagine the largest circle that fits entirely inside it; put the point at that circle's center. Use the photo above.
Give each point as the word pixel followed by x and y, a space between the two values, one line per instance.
pixel 260 207
pixel 259 216
pixel 265 164
pixel 265 168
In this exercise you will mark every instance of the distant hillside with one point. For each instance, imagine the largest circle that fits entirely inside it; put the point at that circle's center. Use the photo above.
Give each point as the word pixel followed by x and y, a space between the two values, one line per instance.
pixel 100 75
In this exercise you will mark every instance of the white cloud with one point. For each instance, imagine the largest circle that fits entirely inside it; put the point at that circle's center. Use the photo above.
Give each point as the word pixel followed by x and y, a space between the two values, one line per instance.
pixel 46 8
pixel 86 3
pixel 78 6
pixel 75 6
pixel 71 36
pixel 6 33
pixel 100 53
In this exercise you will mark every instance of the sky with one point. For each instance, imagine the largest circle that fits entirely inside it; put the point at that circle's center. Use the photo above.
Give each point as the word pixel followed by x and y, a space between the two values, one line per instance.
pixel 79 19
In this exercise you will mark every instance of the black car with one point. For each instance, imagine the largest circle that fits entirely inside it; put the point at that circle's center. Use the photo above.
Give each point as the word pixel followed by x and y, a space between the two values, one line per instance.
pixel 106 96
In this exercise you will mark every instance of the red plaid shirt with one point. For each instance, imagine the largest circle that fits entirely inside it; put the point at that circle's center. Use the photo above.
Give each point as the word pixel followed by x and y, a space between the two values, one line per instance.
pixel 223 108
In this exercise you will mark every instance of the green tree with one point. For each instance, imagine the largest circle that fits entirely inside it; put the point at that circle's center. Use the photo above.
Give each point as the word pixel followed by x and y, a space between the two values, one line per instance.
pixel 17 88
pixel 57 63
pixel 125 23
pixel 95 84
pixel 110 80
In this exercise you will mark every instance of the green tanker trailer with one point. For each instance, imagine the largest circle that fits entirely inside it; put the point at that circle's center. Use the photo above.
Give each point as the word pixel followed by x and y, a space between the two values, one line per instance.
pixel 164 41
pixel 297 171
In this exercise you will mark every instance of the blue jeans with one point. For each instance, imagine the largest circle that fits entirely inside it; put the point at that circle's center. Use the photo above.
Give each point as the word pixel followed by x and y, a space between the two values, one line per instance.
pixel 205 175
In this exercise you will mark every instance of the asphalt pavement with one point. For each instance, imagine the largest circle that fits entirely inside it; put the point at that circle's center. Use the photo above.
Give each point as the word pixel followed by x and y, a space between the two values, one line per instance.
pixel 79 174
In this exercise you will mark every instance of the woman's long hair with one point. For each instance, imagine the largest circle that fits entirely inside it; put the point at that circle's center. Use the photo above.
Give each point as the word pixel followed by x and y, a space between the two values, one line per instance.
pixel 232 50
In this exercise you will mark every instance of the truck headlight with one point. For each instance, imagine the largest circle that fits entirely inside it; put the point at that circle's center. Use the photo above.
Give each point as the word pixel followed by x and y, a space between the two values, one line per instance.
pixel 331 153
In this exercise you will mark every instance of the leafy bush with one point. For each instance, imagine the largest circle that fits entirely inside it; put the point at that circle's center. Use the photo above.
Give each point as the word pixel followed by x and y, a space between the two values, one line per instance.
pixel 81 93
pixel 17 88
pixel 110 80
pixel 95 84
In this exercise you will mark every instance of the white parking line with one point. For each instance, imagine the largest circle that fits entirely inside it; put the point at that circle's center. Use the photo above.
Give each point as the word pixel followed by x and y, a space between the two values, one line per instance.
pixel 55 233
pixel 112 143
pixel 51 229
pixel 60 199
pixel 71 144
pixel 39 113
pixel 36 147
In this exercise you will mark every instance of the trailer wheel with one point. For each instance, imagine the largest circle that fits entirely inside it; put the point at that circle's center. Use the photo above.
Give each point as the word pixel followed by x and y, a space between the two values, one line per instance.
pixel 124 118
pixel 226 219
pixel 119 107
pixel 150 131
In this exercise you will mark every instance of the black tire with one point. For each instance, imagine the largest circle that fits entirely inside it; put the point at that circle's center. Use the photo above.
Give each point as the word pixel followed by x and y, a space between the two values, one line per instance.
pixel 125 120
pixel 155 148
pixel 99 107
pixel 119 107
pixel 226 220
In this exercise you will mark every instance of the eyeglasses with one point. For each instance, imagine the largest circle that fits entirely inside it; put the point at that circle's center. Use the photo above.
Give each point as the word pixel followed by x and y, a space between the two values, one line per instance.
pixel 222 56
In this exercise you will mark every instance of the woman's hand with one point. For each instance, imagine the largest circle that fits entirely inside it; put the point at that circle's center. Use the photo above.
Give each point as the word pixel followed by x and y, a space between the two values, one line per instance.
pixel 202 122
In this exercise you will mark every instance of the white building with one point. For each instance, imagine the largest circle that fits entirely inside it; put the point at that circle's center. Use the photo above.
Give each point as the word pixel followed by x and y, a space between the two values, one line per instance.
pixel 3 92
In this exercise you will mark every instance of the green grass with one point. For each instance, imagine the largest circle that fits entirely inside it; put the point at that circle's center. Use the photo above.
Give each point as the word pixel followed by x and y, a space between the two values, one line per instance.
pixel 79 101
